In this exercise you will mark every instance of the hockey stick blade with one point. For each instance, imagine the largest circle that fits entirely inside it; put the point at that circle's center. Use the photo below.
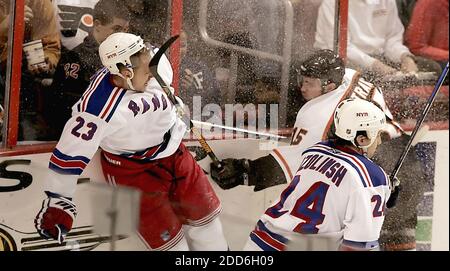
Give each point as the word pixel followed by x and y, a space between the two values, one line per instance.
pixel 157 57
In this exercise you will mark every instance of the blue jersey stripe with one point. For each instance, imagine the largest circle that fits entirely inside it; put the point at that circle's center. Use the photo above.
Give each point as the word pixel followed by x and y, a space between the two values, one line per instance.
pixel 339 158
pixel 160 148
pixel 65 171
pixel 116 104
pixel 261 243
pixel 275 236
pixel 104 69
pixel 99 97
pixel 376 174
pixel 65 157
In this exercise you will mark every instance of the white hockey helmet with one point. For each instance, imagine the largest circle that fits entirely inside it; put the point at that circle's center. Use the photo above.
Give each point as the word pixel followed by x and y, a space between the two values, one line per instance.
pixel 118 48
pixel 353 115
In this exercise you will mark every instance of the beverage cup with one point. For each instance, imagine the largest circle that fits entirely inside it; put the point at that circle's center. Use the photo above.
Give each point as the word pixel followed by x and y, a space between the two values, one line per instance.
pixel 34 52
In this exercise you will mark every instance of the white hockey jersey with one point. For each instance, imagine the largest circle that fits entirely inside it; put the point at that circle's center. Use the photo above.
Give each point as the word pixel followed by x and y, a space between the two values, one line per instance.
pixel 315 117
pixel 138 125
pixel 336 193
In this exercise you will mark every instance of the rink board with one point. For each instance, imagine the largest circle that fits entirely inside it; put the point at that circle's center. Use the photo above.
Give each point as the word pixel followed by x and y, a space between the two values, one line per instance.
pixel 241 205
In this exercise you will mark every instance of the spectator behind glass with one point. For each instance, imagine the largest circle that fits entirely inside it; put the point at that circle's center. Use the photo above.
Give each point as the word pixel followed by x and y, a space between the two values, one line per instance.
pixel 197 79
pixel 148 19
pixel 375 38
pixel 74 20
pixel 40 24
pixel 405 9
pixel 262 21
pixel 77 66
pixel 427 33
pixel 2 112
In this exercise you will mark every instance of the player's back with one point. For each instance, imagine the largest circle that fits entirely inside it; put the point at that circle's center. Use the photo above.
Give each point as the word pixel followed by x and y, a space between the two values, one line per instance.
pixel 336 192
pixel 314 119
pixel 138 125
pixel 145 117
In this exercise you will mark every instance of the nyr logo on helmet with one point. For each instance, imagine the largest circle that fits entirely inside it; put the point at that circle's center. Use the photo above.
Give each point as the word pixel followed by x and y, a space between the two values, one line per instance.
pixel 362 114
pixel 113 55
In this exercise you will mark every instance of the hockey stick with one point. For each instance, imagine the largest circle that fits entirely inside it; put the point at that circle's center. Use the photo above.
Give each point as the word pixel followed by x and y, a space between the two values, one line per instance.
pixel 154 70
pixel 208 125
pixel 392 200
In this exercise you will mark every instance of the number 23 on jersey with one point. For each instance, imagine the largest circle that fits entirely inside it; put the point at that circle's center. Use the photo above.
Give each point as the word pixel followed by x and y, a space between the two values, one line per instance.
pixel 89 134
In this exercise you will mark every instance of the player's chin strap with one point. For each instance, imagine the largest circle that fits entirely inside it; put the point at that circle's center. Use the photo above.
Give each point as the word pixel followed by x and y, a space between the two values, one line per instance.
pixel 130 84
pixel 365 149
pixel 128 79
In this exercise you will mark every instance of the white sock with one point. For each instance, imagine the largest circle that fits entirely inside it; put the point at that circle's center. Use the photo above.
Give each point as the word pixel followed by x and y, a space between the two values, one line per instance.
pixel 207 237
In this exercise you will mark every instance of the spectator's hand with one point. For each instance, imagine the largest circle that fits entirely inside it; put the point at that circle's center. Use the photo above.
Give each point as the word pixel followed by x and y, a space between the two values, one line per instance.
pixel 408 65
pixel 188 79
pixel 381 68
pixel 40 69
pixel 28 16
pixel 56 217
pixel 4 25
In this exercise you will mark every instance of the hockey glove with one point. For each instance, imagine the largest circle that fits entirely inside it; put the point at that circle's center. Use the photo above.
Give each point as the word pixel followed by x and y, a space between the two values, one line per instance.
pixel 394 194
pixel 233 173
pixel 56 216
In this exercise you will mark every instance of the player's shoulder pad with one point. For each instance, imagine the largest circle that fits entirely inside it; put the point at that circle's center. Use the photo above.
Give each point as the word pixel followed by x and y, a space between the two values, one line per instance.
pixel 373 173
pixel 101 98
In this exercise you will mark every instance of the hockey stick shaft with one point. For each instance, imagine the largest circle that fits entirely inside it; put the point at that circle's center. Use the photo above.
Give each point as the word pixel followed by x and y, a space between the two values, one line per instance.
pixel 154 69
pixel 209 125
pixel 427 108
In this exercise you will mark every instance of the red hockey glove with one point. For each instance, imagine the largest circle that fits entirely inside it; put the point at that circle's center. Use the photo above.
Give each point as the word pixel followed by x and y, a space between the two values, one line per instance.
pixel 56 216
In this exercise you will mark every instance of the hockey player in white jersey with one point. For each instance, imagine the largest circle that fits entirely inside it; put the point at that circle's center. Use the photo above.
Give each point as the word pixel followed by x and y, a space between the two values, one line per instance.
pixel 125 112
pixel 337 191
pixel 325 82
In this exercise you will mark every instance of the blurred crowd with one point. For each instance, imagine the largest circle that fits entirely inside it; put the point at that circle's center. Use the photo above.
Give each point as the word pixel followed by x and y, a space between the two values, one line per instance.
pixel 68 32
pixel 401 45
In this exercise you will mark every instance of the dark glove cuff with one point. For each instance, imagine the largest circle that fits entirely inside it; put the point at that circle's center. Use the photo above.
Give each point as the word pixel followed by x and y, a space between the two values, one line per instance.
pixel 265 172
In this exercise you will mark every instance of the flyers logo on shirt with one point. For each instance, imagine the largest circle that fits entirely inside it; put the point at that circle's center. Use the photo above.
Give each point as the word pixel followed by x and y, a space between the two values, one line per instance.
pixel 74 18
